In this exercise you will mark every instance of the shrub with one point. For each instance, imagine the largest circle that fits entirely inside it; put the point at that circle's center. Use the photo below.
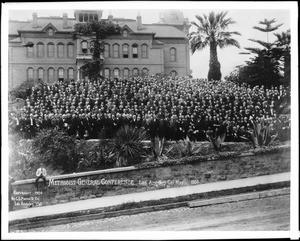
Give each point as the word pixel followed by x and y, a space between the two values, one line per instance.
pixel 127 145
pixel 188 147
pixel 260 136
pixel 216 140
pixel 56 148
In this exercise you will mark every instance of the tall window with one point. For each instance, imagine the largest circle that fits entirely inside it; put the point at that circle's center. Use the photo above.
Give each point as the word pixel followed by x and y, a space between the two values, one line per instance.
pixel 30 51
pixel 40 47
pixel 91 17
pixel 80 17
pixel 60 50
pixel 70 73
pixel 126 73
pixel 60 74
pixel 70 50
pixel 106 51
pixel 134 51
pixel 50 75
pixel 86 17
pixel 116 50
pixel 145 71
pixel 41 74
pixel 106 73
pixel 125 50
pixel 30 74
pixel 125 33
pixel 116 72
pixel 135 72
pixel 173 54
pixel 84 47
pixel 96 17
pixel 50 32
pixel 144 51
pixel 173 73
pixel 50 50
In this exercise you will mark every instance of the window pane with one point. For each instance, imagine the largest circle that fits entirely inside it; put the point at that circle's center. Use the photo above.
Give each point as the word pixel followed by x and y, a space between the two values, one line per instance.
pixel 106 73
pixel 50 32
pixel 106 51
pixel 173 54
pixel 80 17
pixel 51 50
pixel 60 73
pixel 91 17
pixel 30 52
pixel 84 47
pixel 41 74
pixel 30 74
pixel 60 50
pixel 135 71
pixel 40 50
pixel 71 74
pixel 125 33
pixel 116 72
pixel 70 50
pixel 125 51
pixel 144 51
pixel 134 52
pixel 51 75
pixel 126 73
pixel 96 17
pixel 86 17
pixel 116 51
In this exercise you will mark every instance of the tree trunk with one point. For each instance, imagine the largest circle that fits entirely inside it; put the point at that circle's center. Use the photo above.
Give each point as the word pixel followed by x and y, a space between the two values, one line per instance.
pixel 214 72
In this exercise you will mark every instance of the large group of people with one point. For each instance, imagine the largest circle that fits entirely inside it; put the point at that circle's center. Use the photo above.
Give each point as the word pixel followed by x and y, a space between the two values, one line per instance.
pixel 167 107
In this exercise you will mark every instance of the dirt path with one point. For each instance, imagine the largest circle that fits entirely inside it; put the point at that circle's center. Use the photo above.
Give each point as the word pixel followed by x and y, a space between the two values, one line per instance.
pixel 267 214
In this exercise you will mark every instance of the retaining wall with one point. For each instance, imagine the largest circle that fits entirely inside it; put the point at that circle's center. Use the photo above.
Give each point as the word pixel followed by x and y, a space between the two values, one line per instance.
pixel 117 181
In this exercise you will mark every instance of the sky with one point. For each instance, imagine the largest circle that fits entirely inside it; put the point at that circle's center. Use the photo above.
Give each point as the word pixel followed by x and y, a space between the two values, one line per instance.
pixel 245 16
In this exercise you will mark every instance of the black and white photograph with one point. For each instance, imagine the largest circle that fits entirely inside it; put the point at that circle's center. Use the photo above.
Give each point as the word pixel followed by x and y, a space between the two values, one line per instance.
pixel 166 119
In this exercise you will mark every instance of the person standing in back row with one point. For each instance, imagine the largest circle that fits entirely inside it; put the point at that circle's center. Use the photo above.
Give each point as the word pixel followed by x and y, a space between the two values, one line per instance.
pixel 41 173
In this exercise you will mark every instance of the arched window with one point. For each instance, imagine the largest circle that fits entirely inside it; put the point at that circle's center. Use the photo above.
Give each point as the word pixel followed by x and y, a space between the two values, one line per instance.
pixel 50 75
pixel 126 73
pixel 41 74
pixel 84 47
pixel 92 46
pixel 173 73
pixel 70 50
pixel 91 17
pixel 116 72
pixel 30 74
pixel 134 51
pixel 125 50
pixel 96 17
pixel 116 50
pixel 145 71
pixel 86 17
pixel 144 51
pixel 50 31
pixel 80 17
pixel 135 72
pixel 106 51
pixel 60 50
pixel 172 54
pixel 106 73
pixel 40 48
pixel 125 33
pixel 50 50
pixel 70 74
pixel 30 50
pixel 61 74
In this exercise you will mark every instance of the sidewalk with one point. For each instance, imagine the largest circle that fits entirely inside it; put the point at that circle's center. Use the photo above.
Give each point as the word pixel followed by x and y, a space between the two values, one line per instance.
pixel 102 202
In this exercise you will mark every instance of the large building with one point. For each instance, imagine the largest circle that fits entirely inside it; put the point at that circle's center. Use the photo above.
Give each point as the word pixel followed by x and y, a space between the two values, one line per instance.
pixel 43 48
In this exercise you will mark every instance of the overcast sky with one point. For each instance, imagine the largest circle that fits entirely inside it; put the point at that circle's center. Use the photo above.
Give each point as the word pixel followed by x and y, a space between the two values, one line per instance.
pixel 246 16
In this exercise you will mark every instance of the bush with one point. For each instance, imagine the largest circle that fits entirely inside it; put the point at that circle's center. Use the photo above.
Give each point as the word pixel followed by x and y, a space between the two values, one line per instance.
pixel 127 145
pixel 188 147
pixel 216 140
pixel 56 148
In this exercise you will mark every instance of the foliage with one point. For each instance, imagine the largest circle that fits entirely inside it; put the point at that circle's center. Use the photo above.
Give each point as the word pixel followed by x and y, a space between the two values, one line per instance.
pixel 261 134
pixel 95 31
pixel 56 148
pixel 97 157
pixel 159 149
pixel 127 145
pixel 216 139
pixel 188 147
pixel 211 32
pixel 20 90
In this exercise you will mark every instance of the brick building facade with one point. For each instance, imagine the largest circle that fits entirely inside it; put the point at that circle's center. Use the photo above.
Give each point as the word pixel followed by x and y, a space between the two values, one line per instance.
pixel 43 48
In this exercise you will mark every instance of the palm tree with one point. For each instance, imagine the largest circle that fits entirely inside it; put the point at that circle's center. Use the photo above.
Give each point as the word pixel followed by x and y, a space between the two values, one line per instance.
pixel 211 32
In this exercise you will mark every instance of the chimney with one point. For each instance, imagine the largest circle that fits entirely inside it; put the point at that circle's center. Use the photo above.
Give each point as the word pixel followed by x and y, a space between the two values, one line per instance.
pixel 34 20
pixel 65 20
pixel 139 22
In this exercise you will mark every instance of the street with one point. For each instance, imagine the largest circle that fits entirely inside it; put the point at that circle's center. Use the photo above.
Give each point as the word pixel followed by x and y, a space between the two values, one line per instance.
pixel 266 214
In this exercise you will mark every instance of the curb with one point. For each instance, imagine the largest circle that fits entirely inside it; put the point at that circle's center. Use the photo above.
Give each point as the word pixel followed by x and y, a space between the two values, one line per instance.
pixel 238 198
pixel 274 189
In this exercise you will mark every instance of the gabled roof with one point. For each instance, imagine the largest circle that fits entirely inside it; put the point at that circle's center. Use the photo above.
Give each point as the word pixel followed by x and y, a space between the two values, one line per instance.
pixel 57 22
